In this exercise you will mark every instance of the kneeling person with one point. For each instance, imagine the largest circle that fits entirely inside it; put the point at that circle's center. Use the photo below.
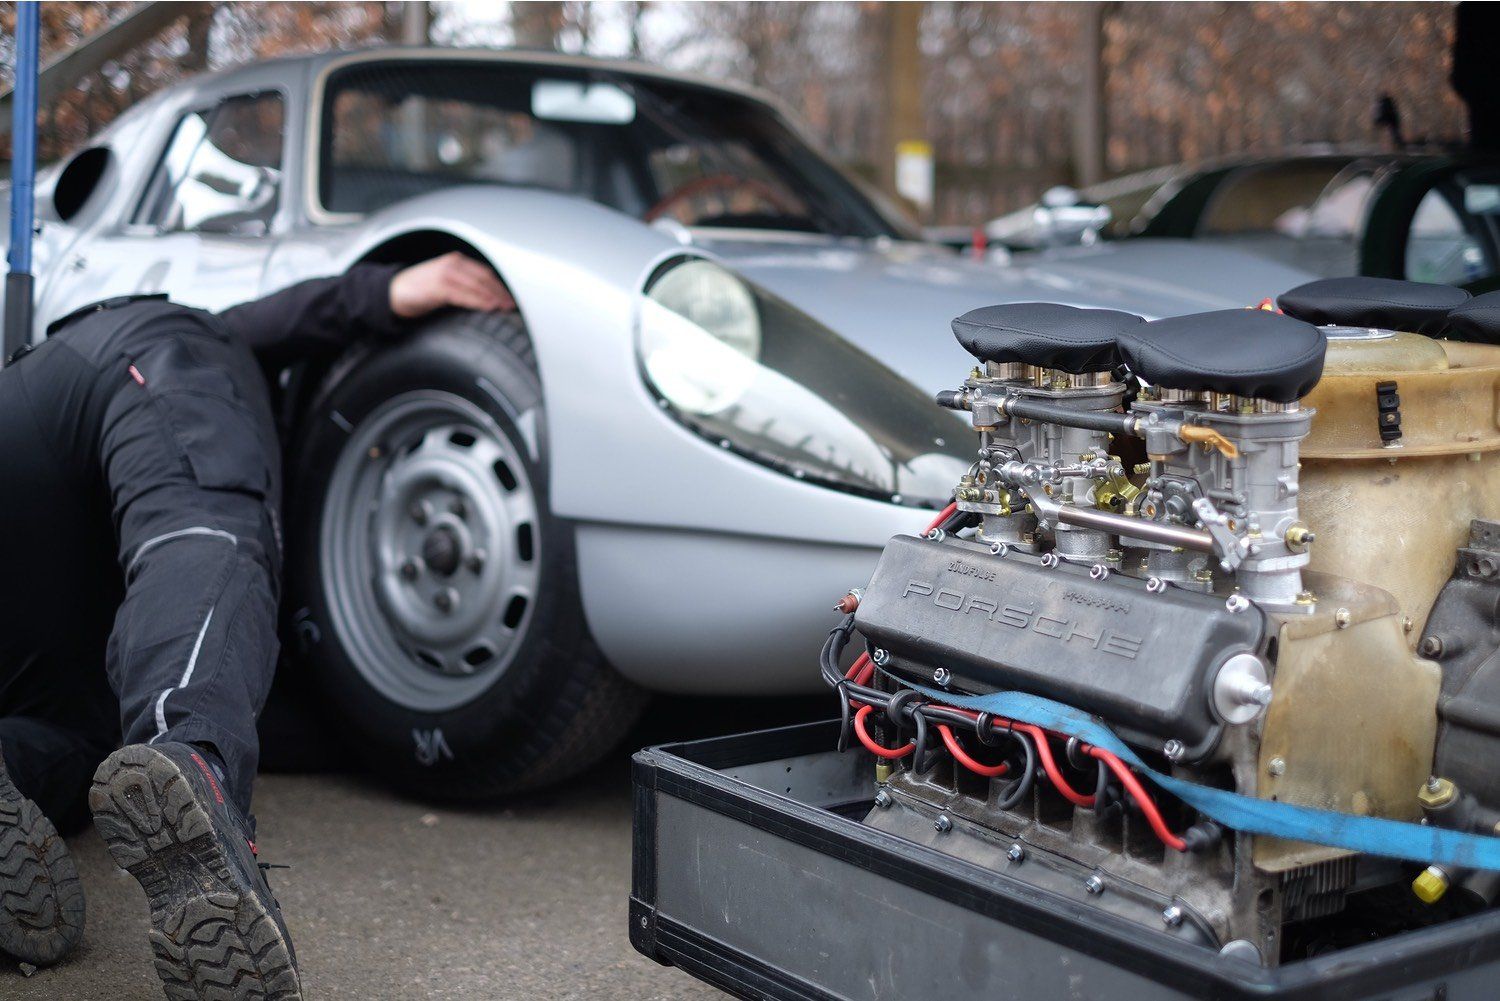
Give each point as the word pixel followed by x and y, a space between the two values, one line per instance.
pixel 139 511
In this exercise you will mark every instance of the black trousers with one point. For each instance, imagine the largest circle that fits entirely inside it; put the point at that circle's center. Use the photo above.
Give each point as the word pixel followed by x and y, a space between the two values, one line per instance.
pixel 139 548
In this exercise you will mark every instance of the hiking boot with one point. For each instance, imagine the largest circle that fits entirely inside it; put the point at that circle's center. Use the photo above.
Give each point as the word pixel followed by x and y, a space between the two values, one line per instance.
pixel 41 900
pixel 216 929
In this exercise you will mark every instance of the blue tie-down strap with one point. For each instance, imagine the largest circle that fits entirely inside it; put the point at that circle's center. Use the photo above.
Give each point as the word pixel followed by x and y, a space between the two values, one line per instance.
pixel 1372 835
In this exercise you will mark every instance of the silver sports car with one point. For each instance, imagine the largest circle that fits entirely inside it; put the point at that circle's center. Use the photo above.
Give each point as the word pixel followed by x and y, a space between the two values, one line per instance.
pixel 711 409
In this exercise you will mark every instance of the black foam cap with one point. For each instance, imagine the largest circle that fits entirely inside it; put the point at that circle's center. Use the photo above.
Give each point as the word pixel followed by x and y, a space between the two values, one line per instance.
pixel 1418 307
pixel 1477 320
pixel 1248 352
pixel 1044 333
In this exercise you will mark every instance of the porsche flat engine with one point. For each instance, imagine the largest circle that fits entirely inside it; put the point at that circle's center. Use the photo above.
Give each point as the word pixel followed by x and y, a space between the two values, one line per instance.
pixel 1254 544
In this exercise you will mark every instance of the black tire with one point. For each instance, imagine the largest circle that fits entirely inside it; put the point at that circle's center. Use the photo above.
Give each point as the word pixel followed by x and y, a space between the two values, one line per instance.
pixel 557 707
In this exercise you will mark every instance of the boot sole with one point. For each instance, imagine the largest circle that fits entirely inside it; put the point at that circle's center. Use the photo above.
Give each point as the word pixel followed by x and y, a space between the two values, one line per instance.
pixel 213 937
pixel 41 900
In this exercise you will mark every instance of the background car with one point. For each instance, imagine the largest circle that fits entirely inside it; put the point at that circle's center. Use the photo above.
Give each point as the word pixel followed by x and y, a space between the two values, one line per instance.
pixel 710 411
pixel 1421 217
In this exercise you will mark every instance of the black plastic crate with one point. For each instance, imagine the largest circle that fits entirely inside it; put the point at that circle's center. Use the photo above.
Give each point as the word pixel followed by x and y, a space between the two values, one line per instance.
pixel 752 873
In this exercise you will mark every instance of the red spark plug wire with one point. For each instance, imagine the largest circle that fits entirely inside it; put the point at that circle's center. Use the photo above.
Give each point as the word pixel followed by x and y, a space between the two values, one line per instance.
pixel 943 516
pixel 1138 793
pixel 864 738
pixel 861 670
pixel 1044 754
pixel 962 757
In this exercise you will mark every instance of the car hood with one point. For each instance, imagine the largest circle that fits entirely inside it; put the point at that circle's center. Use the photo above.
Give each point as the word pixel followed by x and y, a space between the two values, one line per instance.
pixel 895 300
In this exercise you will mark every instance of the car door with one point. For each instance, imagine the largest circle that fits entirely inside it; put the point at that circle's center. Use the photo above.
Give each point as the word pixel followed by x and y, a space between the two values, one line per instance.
pixel 205 222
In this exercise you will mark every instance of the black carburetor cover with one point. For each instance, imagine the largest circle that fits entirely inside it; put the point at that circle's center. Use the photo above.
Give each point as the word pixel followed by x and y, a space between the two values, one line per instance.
pixel 1143 661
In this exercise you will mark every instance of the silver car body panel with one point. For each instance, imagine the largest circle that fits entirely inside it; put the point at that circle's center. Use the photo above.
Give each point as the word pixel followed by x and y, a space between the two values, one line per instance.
pixel 700 571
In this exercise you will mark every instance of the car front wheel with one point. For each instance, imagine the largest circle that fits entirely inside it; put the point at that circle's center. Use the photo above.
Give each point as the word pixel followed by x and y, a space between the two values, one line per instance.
pixel 435 595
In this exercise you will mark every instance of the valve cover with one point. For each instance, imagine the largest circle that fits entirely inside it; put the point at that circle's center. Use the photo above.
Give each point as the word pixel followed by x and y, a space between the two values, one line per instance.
pixel 1143 661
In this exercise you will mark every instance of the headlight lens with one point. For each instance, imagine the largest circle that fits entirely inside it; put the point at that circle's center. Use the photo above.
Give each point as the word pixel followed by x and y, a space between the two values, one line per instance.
pixel 755 375
pixel 700 336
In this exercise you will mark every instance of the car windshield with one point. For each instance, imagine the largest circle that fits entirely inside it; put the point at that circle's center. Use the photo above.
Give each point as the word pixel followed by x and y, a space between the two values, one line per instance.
pixel 652 148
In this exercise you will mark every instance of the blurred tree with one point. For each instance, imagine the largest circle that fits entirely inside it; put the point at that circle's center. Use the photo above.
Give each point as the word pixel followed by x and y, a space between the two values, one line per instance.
pixel 1001 82
pixel 224 35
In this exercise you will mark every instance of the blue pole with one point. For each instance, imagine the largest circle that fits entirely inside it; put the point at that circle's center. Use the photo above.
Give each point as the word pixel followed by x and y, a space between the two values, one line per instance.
pixel 18 283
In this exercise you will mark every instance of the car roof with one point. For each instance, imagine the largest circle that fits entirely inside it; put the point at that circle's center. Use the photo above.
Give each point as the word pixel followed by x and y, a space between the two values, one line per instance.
pixel 317 62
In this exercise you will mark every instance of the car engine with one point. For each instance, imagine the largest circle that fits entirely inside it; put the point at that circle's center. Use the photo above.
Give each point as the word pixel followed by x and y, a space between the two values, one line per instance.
pixel 1256 545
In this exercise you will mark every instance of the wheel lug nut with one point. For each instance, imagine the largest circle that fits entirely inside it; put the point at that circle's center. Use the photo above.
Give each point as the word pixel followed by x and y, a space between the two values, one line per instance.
pixel 409 570
pixel 445 599
pixel 458 508
pixel 476 561
pixel 419 512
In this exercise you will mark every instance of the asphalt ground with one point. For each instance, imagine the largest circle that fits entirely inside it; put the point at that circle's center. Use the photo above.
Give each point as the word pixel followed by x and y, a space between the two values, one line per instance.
pixel 391 898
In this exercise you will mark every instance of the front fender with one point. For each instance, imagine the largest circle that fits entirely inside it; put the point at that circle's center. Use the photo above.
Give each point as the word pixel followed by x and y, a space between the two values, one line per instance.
pixel 576 270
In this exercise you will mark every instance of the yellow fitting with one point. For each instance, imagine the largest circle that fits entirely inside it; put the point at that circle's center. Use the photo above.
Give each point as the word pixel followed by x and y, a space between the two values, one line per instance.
pixel 1437 794
pixel 882 772
pixel 1195 433
pixel 1430 885
pixel 1299 537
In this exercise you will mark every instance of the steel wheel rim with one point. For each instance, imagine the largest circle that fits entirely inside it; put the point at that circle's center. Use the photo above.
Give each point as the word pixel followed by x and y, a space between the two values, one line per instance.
pixel 430 550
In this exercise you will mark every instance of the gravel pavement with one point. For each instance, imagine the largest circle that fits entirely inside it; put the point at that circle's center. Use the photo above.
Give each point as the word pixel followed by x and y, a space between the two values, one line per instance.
pixel 391 898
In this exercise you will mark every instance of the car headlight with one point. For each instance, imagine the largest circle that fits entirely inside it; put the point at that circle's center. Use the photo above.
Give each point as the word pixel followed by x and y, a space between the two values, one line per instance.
pixel 757 376
pixel 699 336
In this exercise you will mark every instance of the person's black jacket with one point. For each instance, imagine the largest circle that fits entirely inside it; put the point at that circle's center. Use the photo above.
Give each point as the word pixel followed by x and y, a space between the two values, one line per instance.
pixel 318 317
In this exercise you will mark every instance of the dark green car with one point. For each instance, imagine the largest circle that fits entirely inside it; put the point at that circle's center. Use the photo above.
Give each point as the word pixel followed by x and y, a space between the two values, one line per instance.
pixel 1431 217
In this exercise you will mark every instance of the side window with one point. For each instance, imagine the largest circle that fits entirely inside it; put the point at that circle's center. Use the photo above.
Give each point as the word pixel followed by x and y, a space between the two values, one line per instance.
pixel 1267 198
pixel 1444 245
pixel 221 172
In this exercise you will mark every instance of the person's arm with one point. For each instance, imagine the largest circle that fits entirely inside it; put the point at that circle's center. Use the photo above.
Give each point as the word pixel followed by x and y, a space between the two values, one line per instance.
pixel 324 315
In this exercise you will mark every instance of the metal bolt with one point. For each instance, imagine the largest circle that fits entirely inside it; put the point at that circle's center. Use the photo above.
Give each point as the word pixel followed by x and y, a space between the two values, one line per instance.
pixel 1277 766
pixel 881 657
pixel 1050 560
pixel 375 452
pixel 942 824
pixel 941 677
pixel 419 512
pixel 1343 617
pixel 1155 585
pixel 1098 571
pixel 1432 646
pixel 444 599
pixel 476 560
pixel 1174 749
pixel 1237 603
pixel 937 535
pixel 1016 853
pixel 409 570
pixel 1172 916
pixel 1434 783
pixel 1094 884
pixel 1486 567
pixel 999 549
pixel 883 799
pixel 458 508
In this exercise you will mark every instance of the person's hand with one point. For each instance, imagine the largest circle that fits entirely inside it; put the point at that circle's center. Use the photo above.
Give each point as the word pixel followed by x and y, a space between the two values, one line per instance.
pixel 450 280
